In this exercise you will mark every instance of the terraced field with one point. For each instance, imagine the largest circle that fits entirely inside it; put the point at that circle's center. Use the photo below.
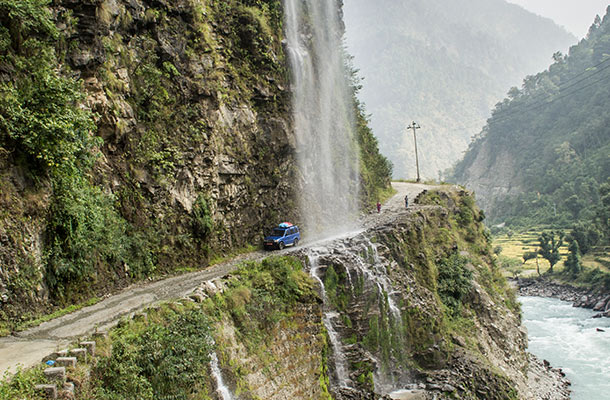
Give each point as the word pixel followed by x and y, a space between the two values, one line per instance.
pixel 516 244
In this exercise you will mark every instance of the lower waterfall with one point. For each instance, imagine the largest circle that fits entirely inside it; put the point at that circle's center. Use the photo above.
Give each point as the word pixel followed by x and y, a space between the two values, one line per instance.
pixel 221 388
pixel 362 315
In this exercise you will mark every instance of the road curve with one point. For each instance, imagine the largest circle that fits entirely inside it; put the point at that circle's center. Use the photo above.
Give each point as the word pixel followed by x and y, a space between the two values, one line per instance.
pixel 28 347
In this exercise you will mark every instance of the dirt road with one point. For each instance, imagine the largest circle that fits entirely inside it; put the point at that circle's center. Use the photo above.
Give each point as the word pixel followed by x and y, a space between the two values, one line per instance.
pixel 29 347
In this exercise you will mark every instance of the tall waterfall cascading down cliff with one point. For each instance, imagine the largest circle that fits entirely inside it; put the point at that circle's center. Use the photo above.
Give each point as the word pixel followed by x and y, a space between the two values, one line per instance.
pixel 329 163
pixel 323 116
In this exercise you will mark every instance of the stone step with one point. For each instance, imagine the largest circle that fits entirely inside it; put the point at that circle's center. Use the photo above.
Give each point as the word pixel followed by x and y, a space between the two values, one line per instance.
pixel 100 335
pixel 50 391
pixel 69 388
pixel 90 346
pixel 56 374
pixel 66 362
pixel 80 354
pixel 54 355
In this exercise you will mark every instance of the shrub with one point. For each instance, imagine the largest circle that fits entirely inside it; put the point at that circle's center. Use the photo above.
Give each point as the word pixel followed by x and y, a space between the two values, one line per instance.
pixel 202 219
pixel 454 281
pixel 164 360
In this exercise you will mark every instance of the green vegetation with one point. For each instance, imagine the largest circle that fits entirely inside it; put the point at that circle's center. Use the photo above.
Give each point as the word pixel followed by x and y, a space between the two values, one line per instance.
pixel 263 294
pixel 164 357
pixel 375 168
pixel 454 281
pixel 549 247
pixel 166 353
pixel 337 293
pixel 573 265
pixel 42 119
pixel 21 384
pixel 555 129
pixel 591 270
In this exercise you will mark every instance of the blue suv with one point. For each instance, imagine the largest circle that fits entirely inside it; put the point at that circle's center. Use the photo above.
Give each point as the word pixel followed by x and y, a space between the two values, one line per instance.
pixel 284 235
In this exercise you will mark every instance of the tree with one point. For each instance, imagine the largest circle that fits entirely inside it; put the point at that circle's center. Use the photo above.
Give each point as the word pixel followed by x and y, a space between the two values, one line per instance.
pixel 572 264
pixel 587 236
pixel 549 247
pixel 529 255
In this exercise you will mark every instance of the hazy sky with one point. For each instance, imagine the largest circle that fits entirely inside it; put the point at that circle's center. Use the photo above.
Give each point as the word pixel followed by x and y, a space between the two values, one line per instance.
pixel 574 15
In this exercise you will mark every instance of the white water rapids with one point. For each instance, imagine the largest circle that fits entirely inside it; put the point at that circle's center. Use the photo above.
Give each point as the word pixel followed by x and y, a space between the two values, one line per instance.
pixel 569 338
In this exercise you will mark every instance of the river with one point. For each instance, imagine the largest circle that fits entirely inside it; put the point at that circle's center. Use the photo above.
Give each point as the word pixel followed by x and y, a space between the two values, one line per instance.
pixel 568 338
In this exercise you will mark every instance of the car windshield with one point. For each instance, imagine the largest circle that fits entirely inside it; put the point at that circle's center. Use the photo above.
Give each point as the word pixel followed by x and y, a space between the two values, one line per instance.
pixel 278 232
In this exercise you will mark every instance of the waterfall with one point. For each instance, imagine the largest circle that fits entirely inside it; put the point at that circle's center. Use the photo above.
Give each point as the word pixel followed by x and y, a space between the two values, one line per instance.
pixel 222 389
pixel 339 359
pixel 323 115
pixel 364 278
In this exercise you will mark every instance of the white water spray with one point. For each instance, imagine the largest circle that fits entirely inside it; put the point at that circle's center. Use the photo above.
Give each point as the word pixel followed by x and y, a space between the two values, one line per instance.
pixel 339 358
pixel 323 115
pixel 221 388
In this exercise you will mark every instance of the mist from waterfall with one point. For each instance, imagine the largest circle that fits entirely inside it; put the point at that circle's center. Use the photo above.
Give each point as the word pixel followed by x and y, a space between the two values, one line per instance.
pixel 323 114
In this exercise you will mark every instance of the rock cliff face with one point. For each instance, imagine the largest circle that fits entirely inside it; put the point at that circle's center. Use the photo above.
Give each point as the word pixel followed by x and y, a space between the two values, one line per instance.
pixel 418 305
pixel 145 137
pixel 191 100
pixel 413 308
pixel 493 176
pixel 389 320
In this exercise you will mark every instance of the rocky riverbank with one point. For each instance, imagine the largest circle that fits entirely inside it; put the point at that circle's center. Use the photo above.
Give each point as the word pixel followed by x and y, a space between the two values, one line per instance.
pixel 579 297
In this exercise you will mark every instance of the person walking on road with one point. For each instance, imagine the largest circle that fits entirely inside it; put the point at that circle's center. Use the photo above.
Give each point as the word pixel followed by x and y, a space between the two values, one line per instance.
pixel 407 201
pixel 378 207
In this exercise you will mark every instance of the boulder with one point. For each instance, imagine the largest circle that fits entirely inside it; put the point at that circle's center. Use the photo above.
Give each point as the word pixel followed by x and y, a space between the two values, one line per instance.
pixel 197 297
pixel 600 305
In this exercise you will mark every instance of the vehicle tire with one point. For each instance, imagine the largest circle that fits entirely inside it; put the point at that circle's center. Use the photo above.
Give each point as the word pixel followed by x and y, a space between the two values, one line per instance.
pixel 296 242
pixel 281 245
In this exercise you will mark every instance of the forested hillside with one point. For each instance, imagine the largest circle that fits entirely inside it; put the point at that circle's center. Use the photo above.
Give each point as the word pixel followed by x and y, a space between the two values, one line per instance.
pixel 443 64
pixel 543 157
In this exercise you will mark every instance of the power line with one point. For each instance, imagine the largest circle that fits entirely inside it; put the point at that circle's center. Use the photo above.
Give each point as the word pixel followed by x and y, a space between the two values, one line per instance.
pixel 588 69
pixel 567 94
pixel 536 104
pixel 577 82
pixel 542 96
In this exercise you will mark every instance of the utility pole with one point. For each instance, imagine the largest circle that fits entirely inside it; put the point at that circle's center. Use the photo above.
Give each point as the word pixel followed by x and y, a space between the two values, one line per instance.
pixel 415 126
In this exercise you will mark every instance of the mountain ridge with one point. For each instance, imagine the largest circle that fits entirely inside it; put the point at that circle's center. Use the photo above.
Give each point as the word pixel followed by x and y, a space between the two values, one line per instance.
pixel 444 66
